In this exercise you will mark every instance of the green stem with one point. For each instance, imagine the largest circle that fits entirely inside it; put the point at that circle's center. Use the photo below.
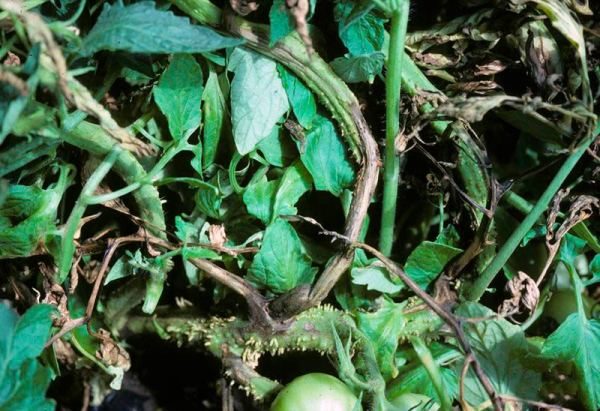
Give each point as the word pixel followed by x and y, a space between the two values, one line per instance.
pixel 68 240
pixel 391 170
pixel 169 154
pixel 478 288
pixel 93 139
pixel 433 370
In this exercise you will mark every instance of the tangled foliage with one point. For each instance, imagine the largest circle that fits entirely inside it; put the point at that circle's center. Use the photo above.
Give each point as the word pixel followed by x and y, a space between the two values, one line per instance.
pixel 408 191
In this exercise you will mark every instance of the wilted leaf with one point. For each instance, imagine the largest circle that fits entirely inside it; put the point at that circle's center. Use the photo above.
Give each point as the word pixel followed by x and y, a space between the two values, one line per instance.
pixel 375 278
pixel 141 28
pixel 501 349
pixel 577 340
pixel 357 69
pixel 214 110
pixel 178 95
pixel 281 264
pixel 301 98
pixel 277 148
pixel 383 327
pixel 361 35
pixel 326 158
pixel 266 200
pixel 428 260
pixel 24 379
pixel 258 99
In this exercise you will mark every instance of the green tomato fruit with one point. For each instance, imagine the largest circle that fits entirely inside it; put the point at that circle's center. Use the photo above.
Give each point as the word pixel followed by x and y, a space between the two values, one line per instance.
pixel 316 392
pixel 414 402
pixel 563 303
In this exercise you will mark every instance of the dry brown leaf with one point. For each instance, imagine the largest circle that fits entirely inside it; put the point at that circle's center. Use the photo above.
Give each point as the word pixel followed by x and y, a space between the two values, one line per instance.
pixel 524 296
pixel 490 68
pixel 244 7
pixel 217 235
pixel 112 353
pixel 12 59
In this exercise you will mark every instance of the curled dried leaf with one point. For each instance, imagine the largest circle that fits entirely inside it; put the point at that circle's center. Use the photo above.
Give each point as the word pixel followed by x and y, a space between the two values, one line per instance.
pixel 244 7
pixel 217 235
pixel 112 353
pixel 524 296
pixel 12 59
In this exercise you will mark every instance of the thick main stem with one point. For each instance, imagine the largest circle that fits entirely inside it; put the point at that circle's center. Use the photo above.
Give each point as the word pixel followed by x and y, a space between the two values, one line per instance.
pixel 393 83
pixel 478 288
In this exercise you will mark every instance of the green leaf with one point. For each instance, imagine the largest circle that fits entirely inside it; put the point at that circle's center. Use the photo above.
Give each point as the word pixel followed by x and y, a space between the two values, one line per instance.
pixel 501 349
pixel 12 101
pixel 214 109
pixel 120 269
pixel 258 99
pixel 301 98
pixel 578 340
pixel 375 278
pixel 449 237
pixel 281 264
pixel 295 182
pixel 29 393
pixel 266 200
pixel 595 268
pixel 277 148
pixel 29 216
pixel 414 378
pixel 141 28
pixel 178 95
pixel 30 335
pixel 383 328
pixel 562 19
pixel 259 198
pixel 326 159
pixel 428 260
pixel 282 23
pixel 362 35
pixel 208 200
pixel 24 379
pixel 359 69
pixel 570 247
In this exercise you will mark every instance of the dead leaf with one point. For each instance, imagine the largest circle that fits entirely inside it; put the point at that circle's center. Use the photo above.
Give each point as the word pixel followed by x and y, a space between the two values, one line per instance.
pixel 490 68
pixel 112 353
pixel 524 296
pixel 12 60
pixel 56 296
pixel 64 352
pixel 217 235
pixel 244 7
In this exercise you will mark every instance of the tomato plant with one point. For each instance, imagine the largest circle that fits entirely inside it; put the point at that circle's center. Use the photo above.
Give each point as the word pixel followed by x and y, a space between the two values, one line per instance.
pixel 316 392
pixel 250 190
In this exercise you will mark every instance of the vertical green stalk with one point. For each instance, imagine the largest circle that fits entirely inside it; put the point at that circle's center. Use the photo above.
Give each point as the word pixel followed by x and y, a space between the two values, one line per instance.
pixel 68 245
pixel 393 82
pixel 433 370
pixel 478 288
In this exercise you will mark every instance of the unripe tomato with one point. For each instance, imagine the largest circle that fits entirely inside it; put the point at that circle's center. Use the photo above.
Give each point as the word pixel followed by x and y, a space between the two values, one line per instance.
pixel 316 392
pixel 563 303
